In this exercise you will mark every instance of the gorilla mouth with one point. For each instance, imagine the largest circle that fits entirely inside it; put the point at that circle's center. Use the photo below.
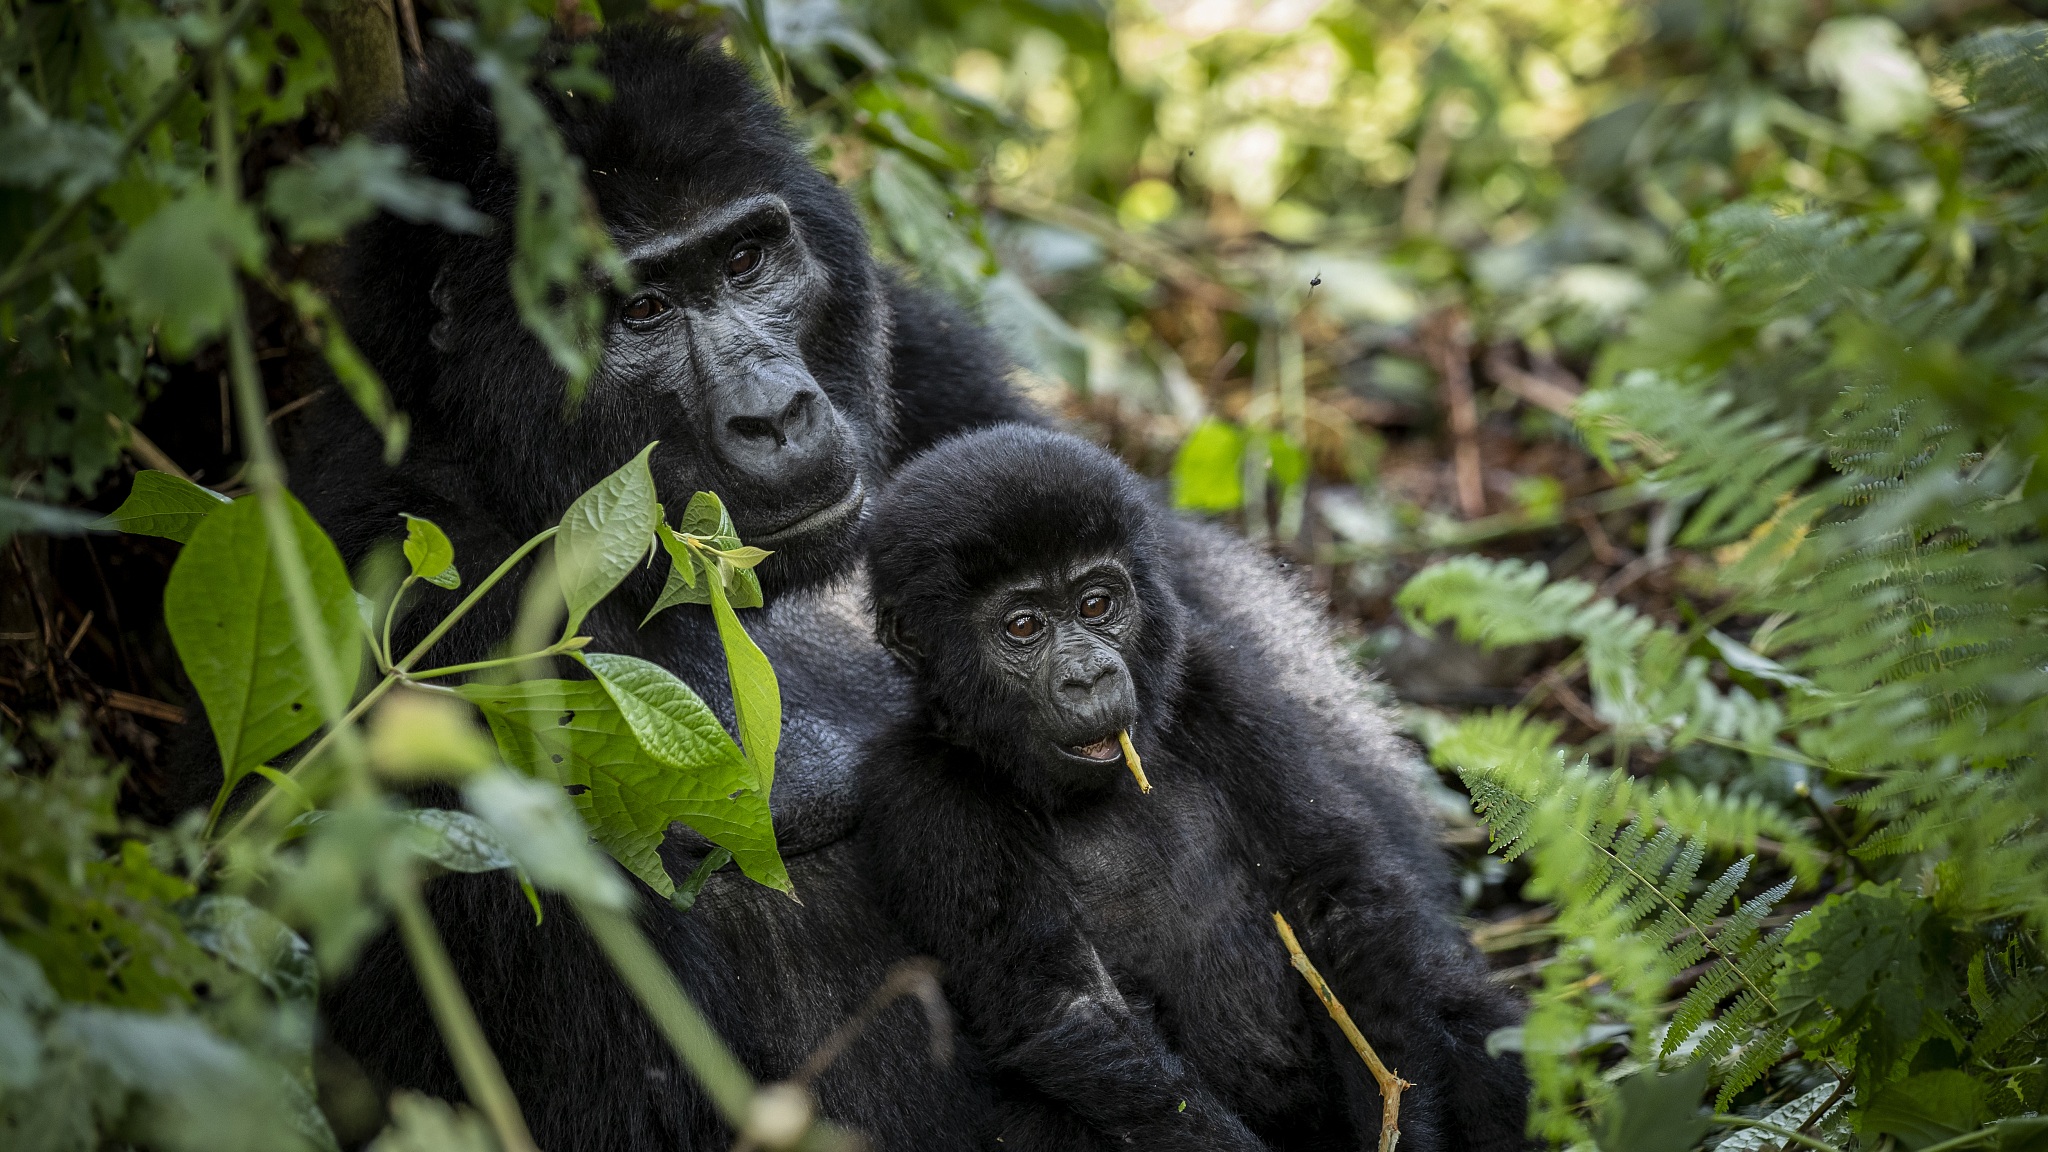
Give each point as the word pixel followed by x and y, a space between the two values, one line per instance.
pixel 840 509
pixel 1103 750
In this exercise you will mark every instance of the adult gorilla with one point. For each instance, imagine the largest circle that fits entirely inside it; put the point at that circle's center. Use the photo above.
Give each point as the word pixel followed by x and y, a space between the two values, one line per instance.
pixel 781 368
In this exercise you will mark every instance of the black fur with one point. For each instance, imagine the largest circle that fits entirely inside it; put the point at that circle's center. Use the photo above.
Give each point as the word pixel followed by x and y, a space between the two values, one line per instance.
pixel 497 454
pixel 1113 953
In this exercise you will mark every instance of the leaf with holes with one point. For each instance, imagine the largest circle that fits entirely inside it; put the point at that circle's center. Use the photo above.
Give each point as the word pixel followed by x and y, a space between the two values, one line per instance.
pixel 717 790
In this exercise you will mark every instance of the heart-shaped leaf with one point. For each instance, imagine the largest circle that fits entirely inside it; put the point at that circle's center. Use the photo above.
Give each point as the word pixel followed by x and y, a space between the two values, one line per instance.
pixel 430 552
pixel 607 531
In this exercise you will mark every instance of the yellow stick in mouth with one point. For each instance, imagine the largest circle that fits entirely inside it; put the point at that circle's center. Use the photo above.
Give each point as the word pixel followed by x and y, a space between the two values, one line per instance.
pixel 1131 758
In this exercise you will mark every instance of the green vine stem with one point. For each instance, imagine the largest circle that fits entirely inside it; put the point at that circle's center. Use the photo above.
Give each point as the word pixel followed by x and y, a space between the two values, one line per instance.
pixel 688 1032
pixel 482 1077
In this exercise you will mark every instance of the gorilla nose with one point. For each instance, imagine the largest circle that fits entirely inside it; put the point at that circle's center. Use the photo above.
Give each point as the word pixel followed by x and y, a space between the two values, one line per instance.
pixel 774 423
pixel 1081 683
pixel 793 423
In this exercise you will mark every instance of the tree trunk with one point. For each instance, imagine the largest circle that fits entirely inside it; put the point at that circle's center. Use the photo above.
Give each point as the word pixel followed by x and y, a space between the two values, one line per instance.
pixel 369 72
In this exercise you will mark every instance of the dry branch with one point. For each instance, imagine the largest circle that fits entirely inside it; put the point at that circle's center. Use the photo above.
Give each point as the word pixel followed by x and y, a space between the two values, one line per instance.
pixel 1390 1082
pixel 1447 341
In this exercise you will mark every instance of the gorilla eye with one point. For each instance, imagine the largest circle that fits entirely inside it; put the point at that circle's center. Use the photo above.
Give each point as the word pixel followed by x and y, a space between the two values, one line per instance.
pixel 1094 606
pixel 743 261
pixel 1023 626
pixel 645 307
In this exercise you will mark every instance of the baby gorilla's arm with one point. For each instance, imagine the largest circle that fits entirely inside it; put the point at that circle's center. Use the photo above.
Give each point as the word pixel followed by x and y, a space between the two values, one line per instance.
pixel 972 889
pixel 1038 997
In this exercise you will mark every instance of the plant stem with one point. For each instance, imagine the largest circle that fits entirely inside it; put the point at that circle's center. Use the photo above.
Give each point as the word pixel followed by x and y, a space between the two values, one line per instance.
pixel 265 469
pixel 476 594
pixel 571 644
pixel 390 611
pixel 1965 1140
pixel 1814 1143
pixel 23 267
pixel 482 1077
pixel 688 1032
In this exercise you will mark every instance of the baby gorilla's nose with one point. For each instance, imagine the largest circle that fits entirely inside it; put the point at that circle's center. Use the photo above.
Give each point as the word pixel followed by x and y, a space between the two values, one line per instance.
pixel 1081 680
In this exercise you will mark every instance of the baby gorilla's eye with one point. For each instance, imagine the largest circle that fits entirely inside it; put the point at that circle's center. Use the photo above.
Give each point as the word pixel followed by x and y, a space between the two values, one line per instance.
pixel 1022 626
pixel 645 307
pixel 743 261
pixel 1094 606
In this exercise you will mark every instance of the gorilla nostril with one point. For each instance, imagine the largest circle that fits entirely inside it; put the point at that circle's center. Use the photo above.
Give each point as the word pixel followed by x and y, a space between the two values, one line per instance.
pixel 757 428
pixel 796 415
pixel 792 423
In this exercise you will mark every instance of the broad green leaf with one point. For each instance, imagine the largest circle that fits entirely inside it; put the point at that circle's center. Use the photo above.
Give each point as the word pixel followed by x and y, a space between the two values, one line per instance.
pixel 430 552
pixel 256 942
pixel 540 829
pixel 573 733
pixel 178 270
pixel 1040 338
pixel 718 791
pixel 202 1093
pixel 161 504
pixel 1289 461
pixel 607 531
pixel 1652 1113
pixel 330 190
pixel 756 696
pixel 227 614
pixel 38 151
pixel 705 515
pixel 1207 471
pixel 1926 1109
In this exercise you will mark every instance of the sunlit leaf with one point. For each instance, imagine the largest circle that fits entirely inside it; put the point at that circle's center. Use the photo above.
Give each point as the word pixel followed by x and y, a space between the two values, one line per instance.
pixel 332 189
pixel 1208 470
pixel 430 552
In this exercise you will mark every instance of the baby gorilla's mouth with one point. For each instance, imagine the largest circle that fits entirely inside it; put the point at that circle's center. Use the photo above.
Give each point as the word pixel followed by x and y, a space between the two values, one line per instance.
pixel 1105 750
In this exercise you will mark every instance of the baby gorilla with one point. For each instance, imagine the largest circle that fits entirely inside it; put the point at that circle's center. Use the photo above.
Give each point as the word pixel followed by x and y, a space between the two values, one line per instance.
pixel 1112 949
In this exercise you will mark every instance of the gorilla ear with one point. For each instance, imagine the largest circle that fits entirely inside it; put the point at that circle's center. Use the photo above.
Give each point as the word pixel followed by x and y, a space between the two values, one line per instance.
pixel 889 633
pixel 443 310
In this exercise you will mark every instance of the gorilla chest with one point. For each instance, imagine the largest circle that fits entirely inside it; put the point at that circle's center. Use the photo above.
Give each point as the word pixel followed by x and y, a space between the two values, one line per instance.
pixel 1179 916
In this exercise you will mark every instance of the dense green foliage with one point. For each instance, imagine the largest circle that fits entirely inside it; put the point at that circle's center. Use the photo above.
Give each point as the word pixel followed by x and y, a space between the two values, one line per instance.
pixel 1745 292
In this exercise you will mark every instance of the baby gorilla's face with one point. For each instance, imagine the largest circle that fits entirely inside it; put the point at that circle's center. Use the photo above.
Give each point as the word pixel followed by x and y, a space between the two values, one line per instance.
pixel 1055 636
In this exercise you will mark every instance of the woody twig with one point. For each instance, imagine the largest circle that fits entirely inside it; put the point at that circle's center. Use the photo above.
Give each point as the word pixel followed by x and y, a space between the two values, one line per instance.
pixel 1390 1082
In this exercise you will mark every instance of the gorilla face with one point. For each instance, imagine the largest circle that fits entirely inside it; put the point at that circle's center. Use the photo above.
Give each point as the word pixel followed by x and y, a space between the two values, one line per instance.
pixel 1057 635
pixel 754 344
pixel 1023 578
pixel 713 345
